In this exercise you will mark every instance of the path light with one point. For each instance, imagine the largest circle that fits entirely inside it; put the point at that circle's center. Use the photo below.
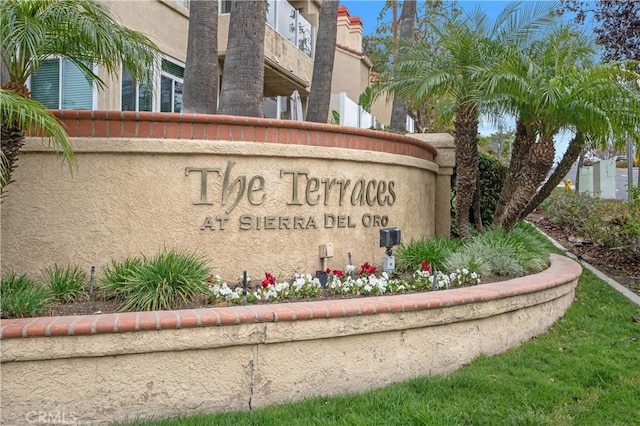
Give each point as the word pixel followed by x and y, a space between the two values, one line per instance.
pixel 245 279
pixel 389 237
pixel 92 279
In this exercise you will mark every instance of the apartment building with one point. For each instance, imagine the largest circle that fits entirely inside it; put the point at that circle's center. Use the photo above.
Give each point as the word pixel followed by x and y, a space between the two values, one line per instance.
pixel 290 35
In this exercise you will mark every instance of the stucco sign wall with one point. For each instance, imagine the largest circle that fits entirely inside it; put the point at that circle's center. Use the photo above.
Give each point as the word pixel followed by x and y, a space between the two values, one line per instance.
pixel 243 202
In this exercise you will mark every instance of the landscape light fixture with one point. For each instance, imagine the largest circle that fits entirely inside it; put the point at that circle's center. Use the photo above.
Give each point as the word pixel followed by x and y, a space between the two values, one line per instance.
pixel 389 237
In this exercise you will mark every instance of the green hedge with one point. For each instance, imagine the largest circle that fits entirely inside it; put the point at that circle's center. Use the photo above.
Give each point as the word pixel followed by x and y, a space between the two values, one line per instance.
pixel 492 177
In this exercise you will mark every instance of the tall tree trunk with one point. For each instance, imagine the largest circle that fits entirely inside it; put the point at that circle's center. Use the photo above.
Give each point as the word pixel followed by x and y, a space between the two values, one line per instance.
pixel 477 206
pixel 580 165
pixel 407 23
pixel 320 95
pixel 466 140
pixel 519 149
pixel 243 74
pixel 573 152
pixel 201 70
pixel 12 135
pixel 539 164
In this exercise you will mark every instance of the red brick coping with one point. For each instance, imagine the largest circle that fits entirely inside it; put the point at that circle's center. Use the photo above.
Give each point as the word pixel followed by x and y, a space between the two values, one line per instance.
pixel 160 125
pixel 562 271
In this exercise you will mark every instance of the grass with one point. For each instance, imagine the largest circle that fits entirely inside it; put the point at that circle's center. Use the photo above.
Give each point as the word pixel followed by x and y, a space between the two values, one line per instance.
pixel 584 371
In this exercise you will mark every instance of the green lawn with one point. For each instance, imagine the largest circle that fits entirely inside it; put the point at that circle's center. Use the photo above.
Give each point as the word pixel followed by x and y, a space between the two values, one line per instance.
pixel 584 371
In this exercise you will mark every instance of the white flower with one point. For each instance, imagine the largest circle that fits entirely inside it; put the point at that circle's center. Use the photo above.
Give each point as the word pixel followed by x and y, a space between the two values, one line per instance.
pixel 349 269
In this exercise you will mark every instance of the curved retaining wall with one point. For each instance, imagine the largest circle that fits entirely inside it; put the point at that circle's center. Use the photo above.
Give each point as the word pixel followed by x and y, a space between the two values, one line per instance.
pixel 248 193
pixel 100 368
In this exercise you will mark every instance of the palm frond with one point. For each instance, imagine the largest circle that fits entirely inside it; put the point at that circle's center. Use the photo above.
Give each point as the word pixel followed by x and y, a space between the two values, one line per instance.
pixel 34 117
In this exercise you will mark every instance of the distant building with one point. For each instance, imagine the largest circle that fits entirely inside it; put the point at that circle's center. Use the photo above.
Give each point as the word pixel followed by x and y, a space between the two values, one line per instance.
pixel 290 37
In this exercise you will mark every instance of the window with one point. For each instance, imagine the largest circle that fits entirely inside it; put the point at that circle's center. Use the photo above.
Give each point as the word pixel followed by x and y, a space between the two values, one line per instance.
pixel 60 84
pixel 171 86
pixel 142 97
pixel 224 6
pixel 135 97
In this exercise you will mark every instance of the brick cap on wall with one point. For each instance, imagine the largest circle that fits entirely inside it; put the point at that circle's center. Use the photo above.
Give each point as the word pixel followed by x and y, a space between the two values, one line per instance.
pixel 562 270
pixel 160 125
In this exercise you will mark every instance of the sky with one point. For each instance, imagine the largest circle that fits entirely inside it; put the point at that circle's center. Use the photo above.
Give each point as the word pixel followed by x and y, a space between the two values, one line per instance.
pixel 369 10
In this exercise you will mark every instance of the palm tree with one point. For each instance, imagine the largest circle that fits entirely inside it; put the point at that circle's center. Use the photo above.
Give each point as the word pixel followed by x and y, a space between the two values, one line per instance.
pixel 612 112
pixel 243 73
pixel 407 24
pixel 468 49
pixel 555 86
pixel 200 92
pixel 81 31
pixel 320 95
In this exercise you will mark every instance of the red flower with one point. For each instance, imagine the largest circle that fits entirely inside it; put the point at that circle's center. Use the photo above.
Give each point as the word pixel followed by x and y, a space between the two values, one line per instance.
pixel 269 280
pixel 426 267
pixel 365 268
pixel 328 271
pixel 338 273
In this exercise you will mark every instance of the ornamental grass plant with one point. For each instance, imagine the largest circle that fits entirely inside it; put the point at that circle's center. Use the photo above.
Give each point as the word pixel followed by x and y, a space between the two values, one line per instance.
pixel 493 253
pixel 165 281
pixel 497 253
pixel 20 296
pixel 66 283
pixel 435 251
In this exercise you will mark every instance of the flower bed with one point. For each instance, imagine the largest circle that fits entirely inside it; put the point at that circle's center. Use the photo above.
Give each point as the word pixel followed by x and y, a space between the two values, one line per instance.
pixel 101 368
pixel 366 283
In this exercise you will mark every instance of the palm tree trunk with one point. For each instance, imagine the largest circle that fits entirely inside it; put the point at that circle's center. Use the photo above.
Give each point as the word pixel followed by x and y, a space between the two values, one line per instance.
pixel 201 69
pixel 466 140
pixel 243 72
pixel 320 95
pixel 477 206
pixel 407 24
pixel 539 163
pixel 573 152
pixel 580 164
pixel 519 150
pixel 12 135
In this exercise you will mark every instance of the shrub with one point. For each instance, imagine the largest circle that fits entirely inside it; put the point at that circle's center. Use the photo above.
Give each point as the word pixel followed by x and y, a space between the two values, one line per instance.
pixel 65 283
pixel 499 253
pixel 433 251
pixel 563 207
pixel 612 223
pixel 492 174
pixel 21 297
pixel 165 281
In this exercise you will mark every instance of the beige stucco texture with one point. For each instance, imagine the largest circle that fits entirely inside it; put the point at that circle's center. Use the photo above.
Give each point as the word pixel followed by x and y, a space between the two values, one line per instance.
pixel 157 373
pixel 263 207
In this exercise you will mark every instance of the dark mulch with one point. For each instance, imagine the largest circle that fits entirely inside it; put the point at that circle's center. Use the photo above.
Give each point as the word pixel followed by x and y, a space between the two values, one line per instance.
pixel 613 263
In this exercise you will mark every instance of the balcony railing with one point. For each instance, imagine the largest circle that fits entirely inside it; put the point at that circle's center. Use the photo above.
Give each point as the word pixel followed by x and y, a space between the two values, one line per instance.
pixel 284 18
pixel 288 22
